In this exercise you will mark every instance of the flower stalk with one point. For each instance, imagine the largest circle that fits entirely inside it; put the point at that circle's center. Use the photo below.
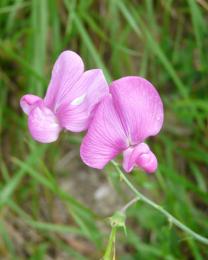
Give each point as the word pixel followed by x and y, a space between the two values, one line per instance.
pixel 170 218
pixel 110 250
pixel 129 204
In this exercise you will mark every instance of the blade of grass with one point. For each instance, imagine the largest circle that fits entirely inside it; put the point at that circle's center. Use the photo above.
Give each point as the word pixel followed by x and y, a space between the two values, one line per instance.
pixel 198 25
pixel 15 7
pixel 6 239
pixel 43 226
pixel 89 44
pixel 132 19
pixel 39 23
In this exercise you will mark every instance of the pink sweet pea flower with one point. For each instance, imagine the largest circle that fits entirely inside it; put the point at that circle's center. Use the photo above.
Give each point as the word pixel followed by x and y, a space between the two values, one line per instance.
pixel 71 97
pixel 123 120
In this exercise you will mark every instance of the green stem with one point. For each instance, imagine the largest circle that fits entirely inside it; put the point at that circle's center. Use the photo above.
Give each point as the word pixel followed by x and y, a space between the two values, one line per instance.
pixel 110 250
pixel 170 218
pixel 129 204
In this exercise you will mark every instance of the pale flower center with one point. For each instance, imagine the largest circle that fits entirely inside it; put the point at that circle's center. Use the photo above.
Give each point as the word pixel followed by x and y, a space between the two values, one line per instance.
pixel 78 101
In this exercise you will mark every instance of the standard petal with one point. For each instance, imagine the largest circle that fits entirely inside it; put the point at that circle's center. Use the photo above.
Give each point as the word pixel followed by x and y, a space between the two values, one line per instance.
pixel 105 137
pixel 139 106
pixel 77 108
pixel 28 101
pixel 43 124
pixel 140 156
pixel 66 72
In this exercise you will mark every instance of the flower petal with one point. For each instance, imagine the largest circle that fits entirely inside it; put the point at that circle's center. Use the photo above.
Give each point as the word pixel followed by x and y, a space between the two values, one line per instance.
pixel 139 106
pixel 75 112
pixel 43 124
pixel 28 101
pixel 105 137
pixel 67 70
pixel 140 156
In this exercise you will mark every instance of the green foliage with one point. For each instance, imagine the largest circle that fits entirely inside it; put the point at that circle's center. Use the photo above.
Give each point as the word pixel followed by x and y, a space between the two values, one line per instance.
pixel 165 41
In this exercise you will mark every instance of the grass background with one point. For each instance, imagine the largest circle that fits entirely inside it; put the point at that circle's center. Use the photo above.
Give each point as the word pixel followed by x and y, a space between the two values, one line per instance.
pixel 47 208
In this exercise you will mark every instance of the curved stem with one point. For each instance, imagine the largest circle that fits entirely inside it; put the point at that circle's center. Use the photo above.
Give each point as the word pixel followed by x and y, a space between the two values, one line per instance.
pixel 170 218
pixel 131 202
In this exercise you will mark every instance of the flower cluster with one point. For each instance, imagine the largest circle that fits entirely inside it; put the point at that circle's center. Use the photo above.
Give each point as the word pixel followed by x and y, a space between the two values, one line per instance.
pixel 118 118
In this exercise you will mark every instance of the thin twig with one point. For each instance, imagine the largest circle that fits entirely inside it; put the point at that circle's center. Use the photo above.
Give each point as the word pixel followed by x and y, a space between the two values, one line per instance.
pixel 170 218
pixel 131 202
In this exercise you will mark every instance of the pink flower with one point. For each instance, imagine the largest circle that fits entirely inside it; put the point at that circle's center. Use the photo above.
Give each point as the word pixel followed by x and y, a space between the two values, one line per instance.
pixel 123 120
pixel 71 97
